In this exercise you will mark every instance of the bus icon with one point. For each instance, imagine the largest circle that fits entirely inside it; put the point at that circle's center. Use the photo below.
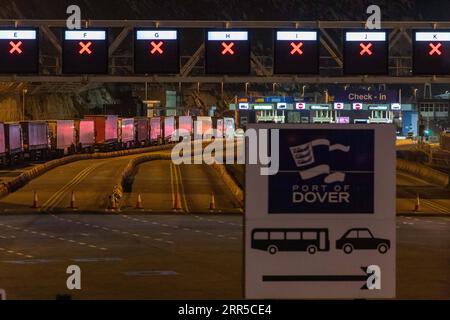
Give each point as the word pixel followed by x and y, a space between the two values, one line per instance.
pixel 309 240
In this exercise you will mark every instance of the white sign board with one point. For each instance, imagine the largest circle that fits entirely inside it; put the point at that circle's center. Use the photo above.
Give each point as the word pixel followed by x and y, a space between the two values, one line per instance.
pixel 281 105
pixel 322 226
pixel 300 106
pixel 338 106
pixel 396 106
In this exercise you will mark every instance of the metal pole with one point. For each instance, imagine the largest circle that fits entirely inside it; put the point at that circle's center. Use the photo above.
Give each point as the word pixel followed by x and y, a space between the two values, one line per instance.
pixel 24 91
pixel 146 91
pixel 23 105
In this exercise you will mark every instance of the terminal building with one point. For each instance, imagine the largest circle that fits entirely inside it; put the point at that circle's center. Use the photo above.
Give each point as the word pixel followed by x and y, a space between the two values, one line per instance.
pixel 291 110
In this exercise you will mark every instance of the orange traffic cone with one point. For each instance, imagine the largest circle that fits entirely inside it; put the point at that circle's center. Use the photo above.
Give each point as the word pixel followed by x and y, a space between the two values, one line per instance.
pixel 176 202
pixel 417 204
pixel 35 200
pixel 212 202
pixel 72 201
pixel 139 202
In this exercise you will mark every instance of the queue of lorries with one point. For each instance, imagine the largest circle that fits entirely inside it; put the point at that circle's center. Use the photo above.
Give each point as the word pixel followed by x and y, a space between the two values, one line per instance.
pixel 47 139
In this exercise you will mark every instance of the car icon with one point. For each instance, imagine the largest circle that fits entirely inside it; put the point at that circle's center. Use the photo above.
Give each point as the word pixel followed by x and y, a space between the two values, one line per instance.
pixel 361 239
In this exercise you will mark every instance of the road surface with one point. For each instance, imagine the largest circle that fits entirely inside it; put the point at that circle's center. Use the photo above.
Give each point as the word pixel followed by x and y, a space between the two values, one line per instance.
pixel 432 199
pixel 91 180
pixel 176 256
pixel 161 183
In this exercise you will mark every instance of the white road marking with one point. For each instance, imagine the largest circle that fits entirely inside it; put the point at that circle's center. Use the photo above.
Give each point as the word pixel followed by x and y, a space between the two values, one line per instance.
pixel 100 259
pixel 15 252
pixel 37 233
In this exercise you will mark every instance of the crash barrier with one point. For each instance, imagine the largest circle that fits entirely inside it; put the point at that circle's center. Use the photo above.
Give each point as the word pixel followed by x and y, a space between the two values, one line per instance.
pixel 229 182
pixel 38 170
pixel 424 172
pixel 413 155
pixel 128 171
pixel 117 190
pixel 115 199
pixel 445 141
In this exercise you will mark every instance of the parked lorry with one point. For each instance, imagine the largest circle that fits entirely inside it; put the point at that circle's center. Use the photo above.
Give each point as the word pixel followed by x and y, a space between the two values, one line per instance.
pixel 105 130
pixel 13 142
pixel 228 127
pixel 2 143
pixel 203 128
pixel 184 126
pixel 169 128
pixel 141 130
pixel 219 128
pixel 126 132
pixel 36 142
pixel 85 135
pixel 155 130
pixel 62 136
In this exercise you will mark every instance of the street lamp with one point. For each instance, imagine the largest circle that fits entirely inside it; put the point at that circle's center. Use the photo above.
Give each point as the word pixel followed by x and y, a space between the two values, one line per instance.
pixel 24 92
pixel 246 89
pixel 303 90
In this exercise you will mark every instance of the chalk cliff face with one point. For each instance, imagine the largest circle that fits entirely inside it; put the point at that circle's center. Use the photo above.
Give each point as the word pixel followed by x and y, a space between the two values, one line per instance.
pixel 52 105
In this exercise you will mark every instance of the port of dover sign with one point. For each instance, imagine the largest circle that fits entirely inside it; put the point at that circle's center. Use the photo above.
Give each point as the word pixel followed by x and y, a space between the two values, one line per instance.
pixel 321 224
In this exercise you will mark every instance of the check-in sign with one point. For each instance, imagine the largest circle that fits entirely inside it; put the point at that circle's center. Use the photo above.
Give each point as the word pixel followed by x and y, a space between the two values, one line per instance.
pixel 326 226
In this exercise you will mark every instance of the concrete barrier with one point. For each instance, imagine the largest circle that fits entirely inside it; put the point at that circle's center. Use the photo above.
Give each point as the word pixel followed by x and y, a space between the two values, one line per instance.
pixel 424 172
pixel 38 170
pixel 117 190
pixel 229 182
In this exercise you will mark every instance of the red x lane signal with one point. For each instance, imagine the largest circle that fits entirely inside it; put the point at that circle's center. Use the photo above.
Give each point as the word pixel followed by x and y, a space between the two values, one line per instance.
pixel 296 48
pixel 85 47
pixel 156 47
pixel 15 47
pixel 227 48
pixel 435 49
pixel 365 49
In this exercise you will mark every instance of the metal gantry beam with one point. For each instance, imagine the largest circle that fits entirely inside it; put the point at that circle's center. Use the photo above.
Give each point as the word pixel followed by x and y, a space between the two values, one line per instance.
pixel 229 24
pixel 330 45
pixel 230 79
pixel 261 72
pixel 118 40
pixel 190 64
